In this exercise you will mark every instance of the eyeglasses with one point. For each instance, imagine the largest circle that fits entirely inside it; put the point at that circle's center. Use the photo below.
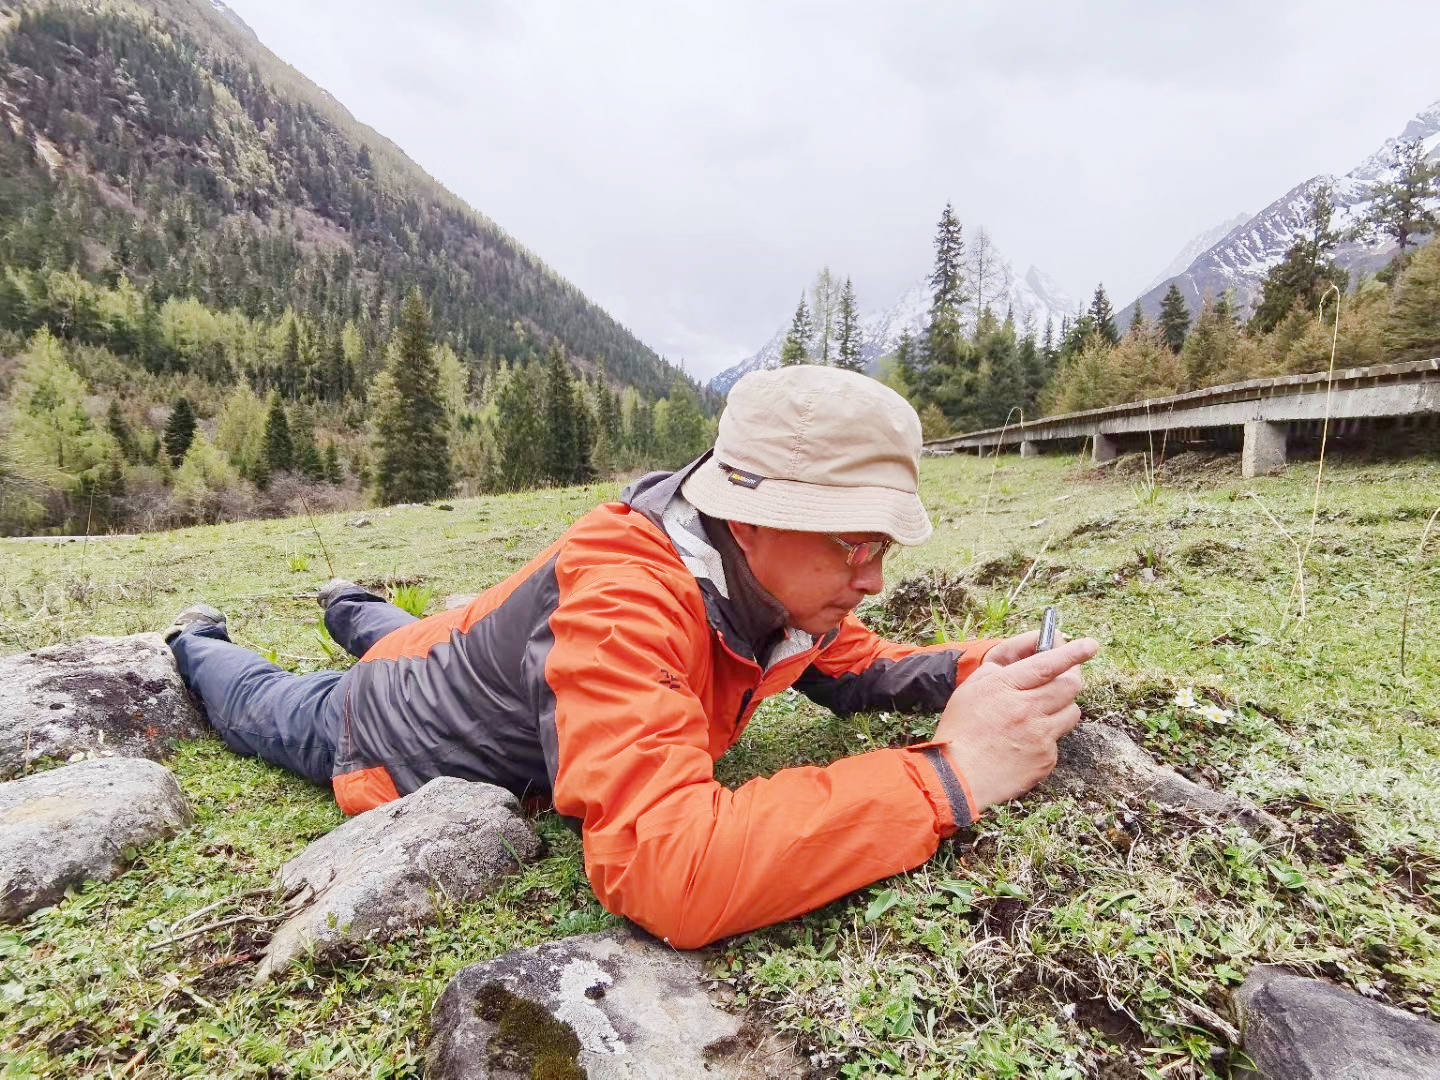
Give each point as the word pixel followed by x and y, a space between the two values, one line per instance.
pixel 861 553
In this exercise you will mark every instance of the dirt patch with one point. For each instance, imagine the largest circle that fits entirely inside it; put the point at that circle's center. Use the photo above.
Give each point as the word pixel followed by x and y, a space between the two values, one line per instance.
pixel 1417 874
pixel 1321 835
pixel 913 604
pixel 1115 1024
pixel 225 976
pixel 1001 916
pixel 1215 554
pixel 71 1038
pixel 1003 568
pixel 1126 466
pixel 1099 526
pixel 1198 468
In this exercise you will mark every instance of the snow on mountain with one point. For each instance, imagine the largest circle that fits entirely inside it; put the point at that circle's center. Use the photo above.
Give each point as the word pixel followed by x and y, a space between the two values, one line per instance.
pixel 1197 247
pixel 1033 299
pixel 1240 259
pixel 230 15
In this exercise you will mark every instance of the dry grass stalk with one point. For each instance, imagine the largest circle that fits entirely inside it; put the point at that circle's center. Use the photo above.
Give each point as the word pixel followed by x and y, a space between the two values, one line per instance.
pixel 1410 585
pixel 994 465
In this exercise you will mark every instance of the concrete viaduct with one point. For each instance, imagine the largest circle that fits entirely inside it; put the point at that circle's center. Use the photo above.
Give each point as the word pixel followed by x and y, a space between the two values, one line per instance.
pixel 1269 411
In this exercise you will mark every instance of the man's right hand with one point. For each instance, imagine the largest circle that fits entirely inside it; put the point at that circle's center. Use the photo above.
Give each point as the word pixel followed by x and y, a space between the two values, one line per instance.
pixel 1002 723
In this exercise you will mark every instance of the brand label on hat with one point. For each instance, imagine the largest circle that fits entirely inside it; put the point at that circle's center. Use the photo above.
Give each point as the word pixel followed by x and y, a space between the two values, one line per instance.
pixel 741 478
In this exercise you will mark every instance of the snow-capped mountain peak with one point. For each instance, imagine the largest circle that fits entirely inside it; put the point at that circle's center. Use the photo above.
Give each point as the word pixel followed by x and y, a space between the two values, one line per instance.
pixel 1239 260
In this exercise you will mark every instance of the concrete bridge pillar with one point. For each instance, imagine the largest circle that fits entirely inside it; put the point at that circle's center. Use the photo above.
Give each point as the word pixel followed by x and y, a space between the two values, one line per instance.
pixel 1028 449
pixel 1264 449
pixel 1103 448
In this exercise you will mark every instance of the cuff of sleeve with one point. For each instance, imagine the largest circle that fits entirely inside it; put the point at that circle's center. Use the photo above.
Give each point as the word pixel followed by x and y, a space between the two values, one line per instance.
pixel 972 656
pixel 958 796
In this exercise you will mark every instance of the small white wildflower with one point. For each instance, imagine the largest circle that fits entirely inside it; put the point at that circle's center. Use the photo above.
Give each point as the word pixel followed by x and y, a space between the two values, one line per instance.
pixel 1185 698
pixel 1214 713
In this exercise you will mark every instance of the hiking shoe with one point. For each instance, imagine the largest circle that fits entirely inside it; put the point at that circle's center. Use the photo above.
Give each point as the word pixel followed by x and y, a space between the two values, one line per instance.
pixel 193 618
pixel 332 589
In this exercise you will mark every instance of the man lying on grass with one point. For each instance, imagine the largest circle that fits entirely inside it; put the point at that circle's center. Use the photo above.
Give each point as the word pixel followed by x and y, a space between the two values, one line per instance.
pixel 612 671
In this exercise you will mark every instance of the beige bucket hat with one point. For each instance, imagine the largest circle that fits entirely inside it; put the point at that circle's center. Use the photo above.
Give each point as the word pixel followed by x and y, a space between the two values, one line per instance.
pixel 815 449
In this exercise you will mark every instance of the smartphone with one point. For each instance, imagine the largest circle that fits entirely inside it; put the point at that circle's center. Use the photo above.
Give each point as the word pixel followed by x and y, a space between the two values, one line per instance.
pixel 1048 626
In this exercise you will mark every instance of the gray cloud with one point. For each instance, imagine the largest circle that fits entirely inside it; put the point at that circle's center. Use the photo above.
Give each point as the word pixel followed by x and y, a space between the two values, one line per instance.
pixel 691 165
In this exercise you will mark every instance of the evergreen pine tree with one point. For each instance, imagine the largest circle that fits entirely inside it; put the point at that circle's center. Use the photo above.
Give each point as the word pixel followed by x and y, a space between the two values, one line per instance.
pixel 565 458
pixel 947 371
pixel 686 433
pixel 1137 320
pixel 1034 372
pixel 413 435
pixel 333 473
pixel 848 355
pixel 1404 206
pixel 1305 273
pixel 179 431
pixel 1225 306
pixel 120 431
pixel 519 426
pixel 1412 328
pixel 905 359
pixel 796 347
pixel 1102 316
pixel 291 377
pixel 279 448
pixel 1174 318
pixel 1002 381
pixel 308 462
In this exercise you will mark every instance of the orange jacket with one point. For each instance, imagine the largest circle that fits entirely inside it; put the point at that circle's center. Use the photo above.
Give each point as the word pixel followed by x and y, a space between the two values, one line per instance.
pixel 609 674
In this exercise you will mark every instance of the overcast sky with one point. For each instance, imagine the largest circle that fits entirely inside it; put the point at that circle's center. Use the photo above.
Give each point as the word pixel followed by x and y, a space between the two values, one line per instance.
pixel 691 165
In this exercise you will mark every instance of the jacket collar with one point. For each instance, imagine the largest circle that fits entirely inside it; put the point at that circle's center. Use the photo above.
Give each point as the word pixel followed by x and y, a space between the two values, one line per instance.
pixel 740 609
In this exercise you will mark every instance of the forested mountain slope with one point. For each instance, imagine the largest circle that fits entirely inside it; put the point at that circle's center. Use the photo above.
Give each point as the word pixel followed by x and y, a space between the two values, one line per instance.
pixel 166 143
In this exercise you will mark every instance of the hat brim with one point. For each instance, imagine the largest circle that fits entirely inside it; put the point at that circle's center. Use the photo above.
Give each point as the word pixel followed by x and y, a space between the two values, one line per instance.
pixel 801 507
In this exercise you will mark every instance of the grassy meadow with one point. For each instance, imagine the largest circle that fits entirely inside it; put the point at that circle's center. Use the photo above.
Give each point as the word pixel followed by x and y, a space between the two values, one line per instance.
pixel 1054 939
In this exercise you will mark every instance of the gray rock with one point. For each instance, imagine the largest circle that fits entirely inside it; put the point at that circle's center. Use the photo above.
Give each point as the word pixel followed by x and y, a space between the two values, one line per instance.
pixel 600 1006
pixel 75 823
pixel 382 872
pixel 1098 761
pixel 1306 1029
pixel 98 695
pixel 456 600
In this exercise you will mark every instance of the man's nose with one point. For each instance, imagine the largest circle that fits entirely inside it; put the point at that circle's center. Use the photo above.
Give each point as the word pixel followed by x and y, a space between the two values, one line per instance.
pixel 869 577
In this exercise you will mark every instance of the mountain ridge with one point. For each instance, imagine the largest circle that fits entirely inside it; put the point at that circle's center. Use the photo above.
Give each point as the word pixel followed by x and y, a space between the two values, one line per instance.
pixel 189 104
pixel 1239 260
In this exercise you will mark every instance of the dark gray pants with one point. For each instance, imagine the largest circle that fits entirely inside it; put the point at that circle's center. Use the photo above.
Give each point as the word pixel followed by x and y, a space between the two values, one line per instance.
pixel 263 711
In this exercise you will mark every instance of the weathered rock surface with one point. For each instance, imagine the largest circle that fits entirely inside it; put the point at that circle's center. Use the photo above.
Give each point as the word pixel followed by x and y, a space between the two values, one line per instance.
pixel 456 600
pixel 116 694
pixel 1101 761
pixel 600 1006
pixel 382 872
pixel 1306 1029
pixel 74 824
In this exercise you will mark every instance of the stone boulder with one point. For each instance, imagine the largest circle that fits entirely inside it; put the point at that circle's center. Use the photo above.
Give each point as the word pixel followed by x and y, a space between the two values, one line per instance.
pixel 98 695
pixel 1099 761
pixel 79 823
pixel 1305 1029
pixel 382 872
pixel 599 1006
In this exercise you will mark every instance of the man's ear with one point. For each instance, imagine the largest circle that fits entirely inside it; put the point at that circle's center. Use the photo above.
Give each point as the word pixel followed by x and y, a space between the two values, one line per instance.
pixel 745 535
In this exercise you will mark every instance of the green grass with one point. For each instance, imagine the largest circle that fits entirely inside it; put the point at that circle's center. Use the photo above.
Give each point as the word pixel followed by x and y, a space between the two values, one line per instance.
pixel 1055 939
